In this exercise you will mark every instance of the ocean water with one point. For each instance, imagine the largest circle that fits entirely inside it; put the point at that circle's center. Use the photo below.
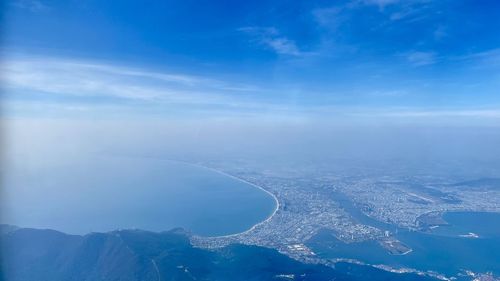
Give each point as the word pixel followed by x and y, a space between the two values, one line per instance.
pixel 483 224
pixel 107 193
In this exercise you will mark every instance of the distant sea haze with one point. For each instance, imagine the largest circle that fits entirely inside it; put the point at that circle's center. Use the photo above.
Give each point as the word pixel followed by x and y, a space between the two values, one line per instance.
pixel 142 193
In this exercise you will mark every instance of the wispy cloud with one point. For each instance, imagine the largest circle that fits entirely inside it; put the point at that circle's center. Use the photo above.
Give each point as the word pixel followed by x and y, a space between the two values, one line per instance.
pixel 55 86
pixel 84 87
pixel 406 7
pixel 100 80
pixel 31 5
pixel 391 15
pixel 487 58
pixel 427 116
pixel 271 38
pixel 440 33
pixel 282 46
pixel 330 17
pixel 477 113
pixel 482 59
pixel 418 58
pixel 380 3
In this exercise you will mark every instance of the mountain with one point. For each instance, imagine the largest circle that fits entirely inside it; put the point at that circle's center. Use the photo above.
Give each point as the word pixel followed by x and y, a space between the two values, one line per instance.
pixel 126 255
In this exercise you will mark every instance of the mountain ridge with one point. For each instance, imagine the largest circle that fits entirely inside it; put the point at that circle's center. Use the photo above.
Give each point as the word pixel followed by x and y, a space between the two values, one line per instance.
pixel 44 254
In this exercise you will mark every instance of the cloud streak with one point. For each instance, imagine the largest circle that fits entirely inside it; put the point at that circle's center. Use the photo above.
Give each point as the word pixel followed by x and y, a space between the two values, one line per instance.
pixel 34 6
pixel 44 84
pixel 271 38
pixel 98 80
pixel 418 58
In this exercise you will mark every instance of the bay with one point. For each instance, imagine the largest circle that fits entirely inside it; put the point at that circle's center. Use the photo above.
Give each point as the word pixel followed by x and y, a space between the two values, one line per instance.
pixel 106 193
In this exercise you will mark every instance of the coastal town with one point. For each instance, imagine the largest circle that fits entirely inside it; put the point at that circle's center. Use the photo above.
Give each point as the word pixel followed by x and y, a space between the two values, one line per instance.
pixel 354 209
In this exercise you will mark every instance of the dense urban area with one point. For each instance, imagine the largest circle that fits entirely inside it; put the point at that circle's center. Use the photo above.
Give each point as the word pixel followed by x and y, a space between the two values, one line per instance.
pixel 354 208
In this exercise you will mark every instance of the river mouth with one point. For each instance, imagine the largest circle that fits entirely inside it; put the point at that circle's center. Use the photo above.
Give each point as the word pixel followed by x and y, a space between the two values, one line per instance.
pixel 99 194
pixel 449 249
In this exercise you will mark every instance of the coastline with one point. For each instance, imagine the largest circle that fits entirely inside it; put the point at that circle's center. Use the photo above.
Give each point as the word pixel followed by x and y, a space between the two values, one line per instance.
pixel 276 201
pixel 268 218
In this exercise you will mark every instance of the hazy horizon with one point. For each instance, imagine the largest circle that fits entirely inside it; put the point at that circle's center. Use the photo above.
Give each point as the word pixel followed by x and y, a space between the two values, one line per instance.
pixel 297 140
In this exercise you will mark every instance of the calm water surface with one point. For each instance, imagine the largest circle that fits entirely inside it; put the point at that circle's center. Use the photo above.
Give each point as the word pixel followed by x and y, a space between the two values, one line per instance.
pixel 103 194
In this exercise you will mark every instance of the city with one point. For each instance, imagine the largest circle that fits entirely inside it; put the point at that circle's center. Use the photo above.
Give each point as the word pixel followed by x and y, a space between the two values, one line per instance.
pixel 354 209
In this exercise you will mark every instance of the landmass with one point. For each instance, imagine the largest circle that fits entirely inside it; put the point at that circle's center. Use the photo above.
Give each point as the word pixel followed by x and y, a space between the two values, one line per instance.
pixel 354 208
pixel 48 255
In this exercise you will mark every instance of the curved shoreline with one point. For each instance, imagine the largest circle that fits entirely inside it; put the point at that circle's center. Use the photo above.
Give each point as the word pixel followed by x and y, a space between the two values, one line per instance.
pixel 276 201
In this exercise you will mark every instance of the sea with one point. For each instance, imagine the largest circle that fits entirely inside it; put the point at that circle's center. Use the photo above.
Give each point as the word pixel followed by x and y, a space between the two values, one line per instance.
pixel 100 194
pixel 470 242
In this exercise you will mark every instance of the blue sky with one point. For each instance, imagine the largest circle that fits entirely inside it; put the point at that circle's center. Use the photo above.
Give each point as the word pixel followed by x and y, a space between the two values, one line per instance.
pixel 279 59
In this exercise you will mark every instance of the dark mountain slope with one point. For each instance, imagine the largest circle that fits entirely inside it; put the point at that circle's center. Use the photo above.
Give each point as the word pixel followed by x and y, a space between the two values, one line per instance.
pixel 47 255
